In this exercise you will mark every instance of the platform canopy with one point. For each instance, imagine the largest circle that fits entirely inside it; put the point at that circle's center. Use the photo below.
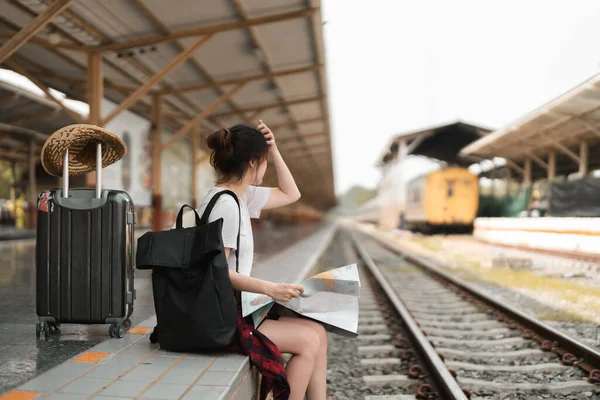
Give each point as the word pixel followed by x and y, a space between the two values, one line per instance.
pixel 559 138
pixel 196 66
pixel 26 118
pixel 441 142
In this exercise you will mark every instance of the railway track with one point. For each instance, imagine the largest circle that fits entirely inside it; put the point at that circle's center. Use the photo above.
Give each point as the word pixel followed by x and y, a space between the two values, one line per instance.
pixel 425 335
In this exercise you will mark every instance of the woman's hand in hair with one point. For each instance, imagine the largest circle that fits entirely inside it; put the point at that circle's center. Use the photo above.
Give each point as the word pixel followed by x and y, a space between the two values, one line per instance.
pixel 269 137
pixel 283 291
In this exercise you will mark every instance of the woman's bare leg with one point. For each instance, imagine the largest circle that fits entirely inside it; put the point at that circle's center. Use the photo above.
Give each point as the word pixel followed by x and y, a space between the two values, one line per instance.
pixel 303 343
pixel 317 385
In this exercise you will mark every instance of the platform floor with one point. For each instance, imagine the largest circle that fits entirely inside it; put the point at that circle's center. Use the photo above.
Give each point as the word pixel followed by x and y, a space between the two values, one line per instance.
pixel 23 357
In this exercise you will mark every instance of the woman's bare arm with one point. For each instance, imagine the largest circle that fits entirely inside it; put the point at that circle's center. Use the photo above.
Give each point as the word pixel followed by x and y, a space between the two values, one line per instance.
pixel 279 291
pixel 287 192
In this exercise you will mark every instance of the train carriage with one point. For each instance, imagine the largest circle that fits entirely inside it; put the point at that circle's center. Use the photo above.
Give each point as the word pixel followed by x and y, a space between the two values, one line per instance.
pixel 443 199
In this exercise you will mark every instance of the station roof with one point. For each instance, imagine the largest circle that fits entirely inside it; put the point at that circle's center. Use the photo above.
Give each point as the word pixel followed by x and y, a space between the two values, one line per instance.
pixel 269 54
pixel 558 126
pixel 441 142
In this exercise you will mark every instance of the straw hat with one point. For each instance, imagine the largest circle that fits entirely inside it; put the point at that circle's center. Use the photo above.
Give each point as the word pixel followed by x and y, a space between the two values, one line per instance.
pixel 80 140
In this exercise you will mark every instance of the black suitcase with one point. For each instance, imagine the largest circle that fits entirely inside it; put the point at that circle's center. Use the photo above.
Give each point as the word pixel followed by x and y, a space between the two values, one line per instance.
pixel 84 257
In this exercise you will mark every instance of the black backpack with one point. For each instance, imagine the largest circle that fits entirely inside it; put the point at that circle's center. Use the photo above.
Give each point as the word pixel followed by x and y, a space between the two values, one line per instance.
pixel 193 297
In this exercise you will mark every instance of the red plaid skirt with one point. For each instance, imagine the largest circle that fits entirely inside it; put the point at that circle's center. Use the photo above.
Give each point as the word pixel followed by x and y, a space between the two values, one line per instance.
pixel 263 354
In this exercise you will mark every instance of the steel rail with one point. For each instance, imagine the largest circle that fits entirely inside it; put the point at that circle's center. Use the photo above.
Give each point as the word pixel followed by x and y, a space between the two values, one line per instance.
pixel 444 381
pixel 587 357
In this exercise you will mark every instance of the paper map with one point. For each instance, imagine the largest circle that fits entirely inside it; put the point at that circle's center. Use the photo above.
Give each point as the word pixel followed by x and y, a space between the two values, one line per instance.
pixel 330 297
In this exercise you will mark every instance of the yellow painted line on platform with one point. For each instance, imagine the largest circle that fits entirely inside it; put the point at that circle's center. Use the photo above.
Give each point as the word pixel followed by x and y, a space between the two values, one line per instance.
pixel 140 330
pixel 19 395
pixel 91 356
pixel 118 378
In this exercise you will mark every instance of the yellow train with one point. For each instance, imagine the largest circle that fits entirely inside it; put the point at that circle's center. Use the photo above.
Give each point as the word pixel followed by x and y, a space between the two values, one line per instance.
pixel 446 198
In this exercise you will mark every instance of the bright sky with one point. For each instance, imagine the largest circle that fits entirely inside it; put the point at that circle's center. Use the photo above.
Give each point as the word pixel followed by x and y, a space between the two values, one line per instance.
pixel 398 65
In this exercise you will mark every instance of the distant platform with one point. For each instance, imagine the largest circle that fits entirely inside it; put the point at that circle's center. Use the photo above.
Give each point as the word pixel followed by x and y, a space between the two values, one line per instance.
pixel 573 235
pixel 16 234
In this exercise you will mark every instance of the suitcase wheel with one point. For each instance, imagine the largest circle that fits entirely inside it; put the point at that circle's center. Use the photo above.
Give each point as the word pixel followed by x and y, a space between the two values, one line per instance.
pixel 116 331
pixel 127 324
pixel 54 327
pixel 42 330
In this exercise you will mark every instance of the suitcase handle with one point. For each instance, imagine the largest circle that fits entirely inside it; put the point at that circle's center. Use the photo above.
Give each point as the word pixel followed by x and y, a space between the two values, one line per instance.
pixel 98 171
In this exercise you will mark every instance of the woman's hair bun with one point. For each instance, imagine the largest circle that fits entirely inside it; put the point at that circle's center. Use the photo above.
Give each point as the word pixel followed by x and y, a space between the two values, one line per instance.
pixel 219 140
pixel 234 149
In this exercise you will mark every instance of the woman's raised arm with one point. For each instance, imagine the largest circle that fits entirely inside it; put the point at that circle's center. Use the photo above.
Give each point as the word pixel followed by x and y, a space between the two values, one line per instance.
pixel 287 192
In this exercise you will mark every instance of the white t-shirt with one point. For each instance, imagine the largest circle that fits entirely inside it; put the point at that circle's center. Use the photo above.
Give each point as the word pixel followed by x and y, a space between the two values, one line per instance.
pixel 251 204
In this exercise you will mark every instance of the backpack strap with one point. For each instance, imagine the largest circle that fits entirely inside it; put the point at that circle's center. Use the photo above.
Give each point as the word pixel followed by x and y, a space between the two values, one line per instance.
pixel 208 210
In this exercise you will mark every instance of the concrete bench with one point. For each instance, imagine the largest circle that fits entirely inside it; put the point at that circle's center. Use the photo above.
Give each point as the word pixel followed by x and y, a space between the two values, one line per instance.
pixel 132 367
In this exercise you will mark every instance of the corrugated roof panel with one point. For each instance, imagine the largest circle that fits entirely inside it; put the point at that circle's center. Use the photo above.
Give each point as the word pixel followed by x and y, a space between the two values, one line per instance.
pixel 272 117
pixel 117 20
pixel 44 58
pixel 14 15
pixel 204 98
pixel 277 45
pixel 158 60
pixel 255 92
pixel 306 110
pixel 593 116
pixel 227 53
pixel 260 7
pixel 312 127
pixel 299 85
pixel 182 14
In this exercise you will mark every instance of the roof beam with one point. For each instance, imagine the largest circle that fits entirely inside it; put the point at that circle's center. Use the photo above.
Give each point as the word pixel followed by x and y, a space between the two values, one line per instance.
pixel 101 37
pixel 244 79
pixel 77 83
pixel 18 133
pixel 144 9
pixel 202 115
pixel 255 39
pixel 159 76
pixel 207 30
pixel 479 144
pixel 67 59
pixel 13 144
pixel 415 143
pixel 46 44
pixel 564 149
pixel 594 129
pixel 316 22
pixel 514 166
pixel 12 156
pixel 7 99
pixel 538 160
pixel 253 115
pixel 35 118
pixel 76 117
pixel 36 25
pixel 269 106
